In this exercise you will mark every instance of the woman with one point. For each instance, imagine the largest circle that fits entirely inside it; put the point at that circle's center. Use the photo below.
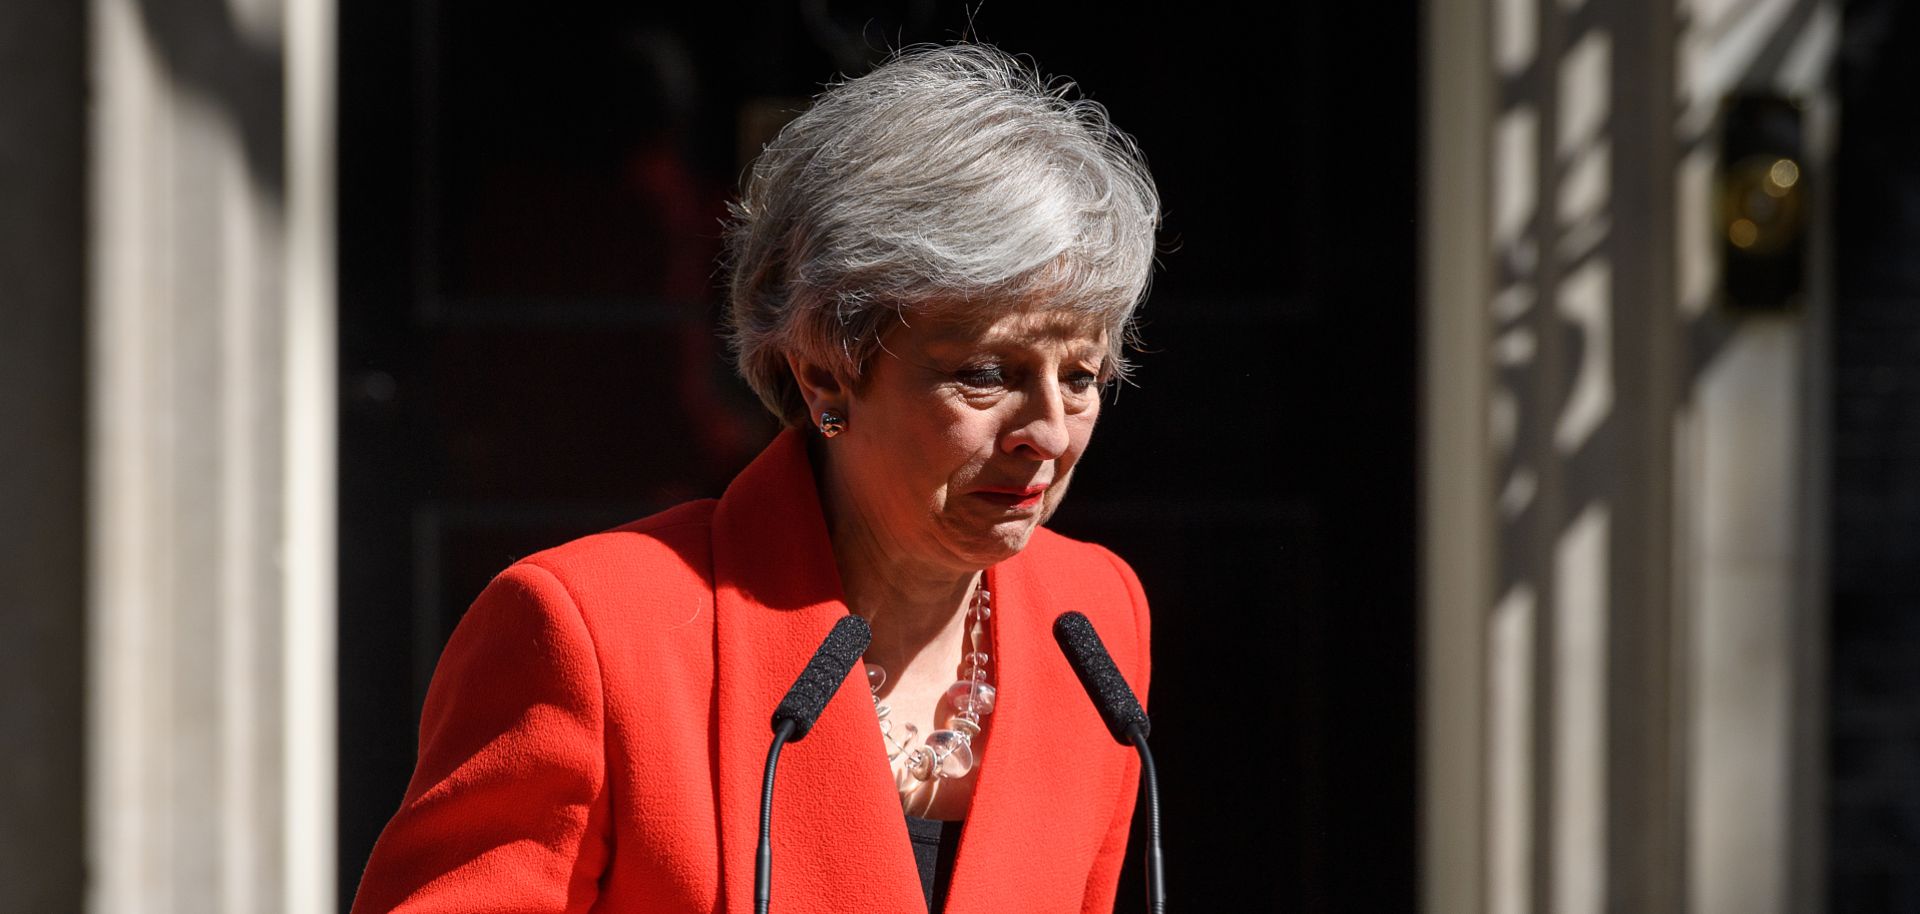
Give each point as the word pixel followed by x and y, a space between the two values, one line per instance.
pixel 934 272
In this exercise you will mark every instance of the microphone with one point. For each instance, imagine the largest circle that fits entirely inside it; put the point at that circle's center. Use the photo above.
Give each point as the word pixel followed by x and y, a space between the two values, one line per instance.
pixel 822 678
pixel 795 716
pixel 1125 719
pixel 1103 682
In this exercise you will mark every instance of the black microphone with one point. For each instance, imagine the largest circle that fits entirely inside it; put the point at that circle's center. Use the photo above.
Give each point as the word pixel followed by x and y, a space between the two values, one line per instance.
pixel 1103 682
pixel 795 716
pixel 823 676
pixel 1125 719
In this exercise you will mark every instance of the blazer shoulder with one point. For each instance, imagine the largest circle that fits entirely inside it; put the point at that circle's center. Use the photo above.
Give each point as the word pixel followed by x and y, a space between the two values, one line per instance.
pixel 1061 554
pixel 665 559
pixel 669 528
pixel 1091 578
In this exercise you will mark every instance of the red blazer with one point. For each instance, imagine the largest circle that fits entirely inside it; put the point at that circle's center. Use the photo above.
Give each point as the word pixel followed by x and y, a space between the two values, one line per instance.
pixel 596 729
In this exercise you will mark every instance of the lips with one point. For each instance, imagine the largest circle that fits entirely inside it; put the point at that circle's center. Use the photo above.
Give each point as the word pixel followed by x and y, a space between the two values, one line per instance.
pixel 1014 497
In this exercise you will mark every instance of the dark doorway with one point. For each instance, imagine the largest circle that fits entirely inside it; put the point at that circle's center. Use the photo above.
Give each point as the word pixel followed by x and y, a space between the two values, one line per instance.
pixel 1873 823
pixel 529 211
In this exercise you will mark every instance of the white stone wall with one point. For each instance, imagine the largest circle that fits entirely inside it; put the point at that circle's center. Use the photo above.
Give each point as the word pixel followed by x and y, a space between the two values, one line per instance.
pixel 210 522
pixel 1621 560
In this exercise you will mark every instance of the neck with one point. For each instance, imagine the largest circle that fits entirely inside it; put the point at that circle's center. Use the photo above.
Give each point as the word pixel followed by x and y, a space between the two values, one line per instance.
pixel 907 620
pixel 912 606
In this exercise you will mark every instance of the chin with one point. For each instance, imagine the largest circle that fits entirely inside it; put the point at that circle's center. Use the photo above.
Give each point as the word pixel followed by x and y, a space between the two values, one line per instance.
pixel 1003 545
pixel 994 545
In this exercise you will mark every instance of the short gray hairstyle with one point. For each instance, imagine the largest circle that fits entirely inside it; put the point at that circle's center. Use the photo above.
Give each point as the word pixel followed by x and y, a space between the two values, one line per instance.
pixel 952 180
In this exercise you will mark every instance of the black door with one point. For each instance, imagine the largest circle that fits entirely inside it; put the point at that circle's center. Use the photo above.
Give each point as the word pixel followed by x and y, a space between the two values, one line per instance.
pixel 530 198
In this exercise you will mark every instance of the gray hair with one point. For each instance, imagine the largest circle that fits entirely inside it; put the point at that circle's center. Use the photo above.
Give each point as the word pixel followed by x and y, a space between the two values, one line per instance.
pixel 953 180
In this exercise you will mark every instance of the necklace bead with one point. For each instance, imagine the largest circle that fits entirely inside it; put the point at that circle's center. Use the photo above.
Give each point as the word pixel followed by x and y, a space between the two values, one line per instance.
pixel 947 753
pixel 971 695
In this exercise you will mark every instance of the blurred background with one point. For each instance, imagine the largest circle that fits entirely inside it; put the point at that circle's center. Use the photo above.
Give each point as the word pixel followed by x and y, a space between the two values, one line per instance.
pixel 1524 464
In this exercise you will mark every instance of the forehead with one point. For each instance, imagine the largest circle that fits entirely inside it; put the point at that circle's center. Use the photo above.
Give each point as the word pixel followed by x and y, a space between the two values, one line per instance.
pixel 1009 328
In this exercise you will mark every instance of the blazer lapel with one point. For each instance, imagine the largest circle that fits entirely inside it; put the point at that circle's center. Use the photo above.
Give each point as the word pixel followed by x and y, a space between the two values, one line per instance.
pixel 1048 768
pixel 996 866
pixel 839 838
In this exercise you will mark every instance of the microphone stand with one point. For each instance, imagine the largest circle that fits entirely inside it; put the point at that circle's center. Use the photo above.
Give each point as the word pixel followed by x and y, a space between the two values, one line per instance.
pixel 763 855
pixel 1156 888
pixel 794 718
pixel 1125 719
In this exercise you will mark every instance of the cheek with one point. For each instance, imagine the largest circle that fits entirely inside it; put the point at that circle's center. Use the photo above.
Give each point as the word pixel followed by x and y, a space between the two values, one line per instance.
pixel 969 435
pixel 936 449
pixel 1080 433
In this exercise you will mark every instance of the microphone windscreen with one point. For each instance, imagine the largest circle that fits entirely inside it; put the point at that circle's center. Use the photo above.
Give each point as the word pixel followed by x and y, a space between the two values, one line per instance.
pixel 1102 680
pixel 823 675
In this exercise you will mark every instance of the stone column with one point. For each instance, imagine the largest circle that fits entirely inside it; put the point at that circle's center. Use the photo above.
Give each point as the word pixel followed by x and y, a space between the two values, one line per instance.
pixel 210 687
pixel 1623 607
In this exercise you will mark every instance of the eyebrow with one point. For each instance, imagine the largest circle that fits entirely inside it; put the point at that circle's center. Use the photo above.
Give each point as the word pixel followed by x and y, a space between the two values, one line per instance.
pixel 1088 350
pixel 1057 328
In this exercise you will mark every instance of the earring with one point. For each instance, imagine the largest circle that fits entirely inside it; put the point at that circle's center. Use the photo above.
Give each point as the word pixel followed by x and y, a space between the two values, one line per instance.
pixel 831 423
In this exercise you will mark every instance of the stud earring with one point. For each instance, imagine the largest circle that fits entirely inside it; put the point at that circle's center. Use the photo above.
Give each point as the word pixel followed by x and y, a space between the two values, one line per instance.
pixel 831 423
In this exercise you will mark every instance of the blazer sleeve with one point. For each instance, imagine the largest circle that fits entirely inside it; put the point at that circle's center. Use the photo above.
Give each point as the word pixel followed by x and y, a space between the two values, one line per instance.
pixel 1103 880
pixel 507 810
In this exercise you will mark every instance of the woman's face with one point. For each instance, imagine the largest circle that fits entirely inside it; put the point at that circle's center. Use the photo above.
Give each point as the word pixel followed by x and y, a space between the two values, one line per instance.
pixel 961 439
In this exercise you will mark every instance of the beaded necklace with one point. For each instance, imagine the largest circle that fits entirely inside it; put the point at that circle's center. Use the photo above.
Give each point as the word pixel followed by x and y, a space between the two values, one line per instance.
pixel 947 753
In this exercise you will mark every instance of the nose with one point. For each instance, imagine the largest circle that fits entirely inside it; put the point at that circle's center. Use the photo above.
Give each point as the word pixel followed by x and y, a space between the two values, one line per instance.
pixel 1039 427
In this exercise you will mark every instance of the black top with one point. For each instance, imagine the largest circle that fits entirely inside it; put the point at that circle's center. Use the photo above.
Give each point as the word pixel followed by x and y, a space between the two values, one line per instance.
pixel 934 842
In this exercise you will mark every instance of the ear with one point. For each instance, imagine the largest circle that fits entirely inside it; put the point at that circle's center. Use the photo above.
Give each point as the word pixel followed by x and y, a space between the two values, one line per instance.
pixel 819 386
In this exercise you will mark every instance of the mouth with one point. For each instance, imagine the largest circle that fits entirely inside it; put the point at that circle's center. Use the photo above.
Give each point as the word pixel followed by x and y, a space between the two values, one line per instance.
pixel 1018 498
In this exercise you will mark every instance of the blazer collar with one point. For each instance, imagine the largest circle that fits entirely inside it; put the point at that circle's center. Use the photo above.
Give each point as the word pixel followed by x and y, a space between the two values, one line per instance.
pixel 839 837
pixel 998 856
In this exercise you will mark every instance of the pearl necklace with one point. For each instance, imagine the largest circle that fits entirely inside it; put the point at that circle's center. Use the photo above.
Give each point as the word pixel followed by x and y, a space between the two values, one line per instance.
pixel 947 753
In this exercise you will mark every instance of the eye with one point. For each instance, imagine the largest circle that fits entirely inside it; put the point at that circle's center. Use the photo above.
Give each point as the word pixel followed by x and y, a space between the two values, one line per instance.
pixel 1082 382
pixel 982 377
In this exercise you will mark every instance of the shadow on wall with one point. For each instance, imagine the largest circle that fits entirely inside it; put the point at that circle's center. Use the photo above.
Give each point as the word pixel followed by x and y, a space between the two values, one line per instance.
pixel 211 55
